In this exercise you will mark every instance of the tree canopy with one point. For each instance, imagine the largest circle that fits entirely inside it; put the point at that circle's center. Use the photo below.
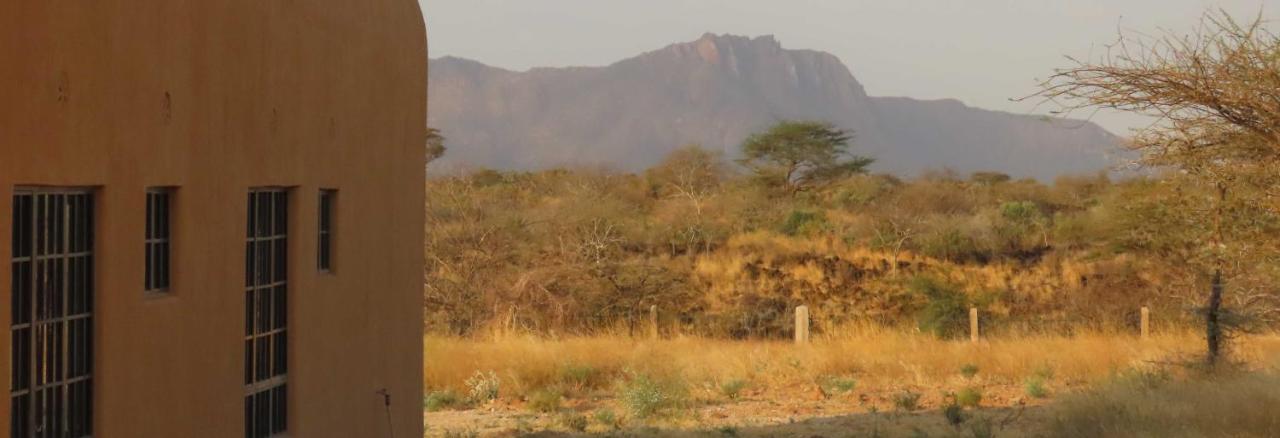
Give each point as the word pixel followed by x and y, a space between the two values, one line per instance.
pixel 800 155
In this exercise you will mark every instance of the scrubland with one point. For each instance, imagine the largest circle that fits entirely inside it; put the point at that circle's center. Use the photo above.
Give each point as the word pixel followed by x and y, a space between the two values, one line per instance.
pixel 540 286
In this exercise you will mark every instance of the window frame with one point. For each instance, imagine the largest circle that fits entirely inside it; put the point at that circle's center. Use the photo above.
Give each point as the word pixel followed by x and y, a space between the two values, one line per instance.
pixel 158 234
pixel 67 250
pixel 326 224
pixel 266 335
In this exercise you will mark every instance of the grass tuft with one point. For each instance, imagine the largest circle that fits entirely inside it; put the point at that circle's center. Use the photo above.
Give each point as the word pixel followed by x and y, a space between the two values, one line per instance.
pixel 732 389
pixel 545 401
pixel 907 401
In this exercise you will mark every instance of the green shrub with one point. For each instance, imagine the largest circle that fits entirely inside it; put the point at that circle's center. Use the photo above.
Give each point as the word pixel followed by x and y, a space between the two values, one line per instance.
pixel 645 397
pixel 907 401
pixel 803 223
pixel 969 397
pixel 1021 211
pixel 1034 386
pixel 969 371
pixel 545 401
pixel 946 310
pixel 950 244
pixel 440 400
pixel 838 385
pixel 733 388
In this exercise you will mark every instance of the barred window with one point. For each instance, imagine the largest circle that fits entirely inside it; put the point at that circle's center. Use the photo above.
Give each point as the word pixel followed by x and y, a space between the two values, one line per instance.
pixel 51 324
pixel 324 250
pixel 159 202
pixel 266 360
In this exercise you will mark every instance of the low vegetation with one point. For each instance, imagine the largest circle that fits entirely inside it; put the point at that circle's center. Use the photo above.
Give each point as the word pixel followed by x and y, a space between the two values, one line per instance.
pixel 1232 404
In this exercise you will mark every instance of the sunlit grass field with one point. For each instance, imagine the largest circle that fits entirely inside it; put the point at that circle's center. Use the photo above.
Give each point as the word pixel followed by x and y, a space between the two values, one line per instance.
pixel 686 384
pixel 873 357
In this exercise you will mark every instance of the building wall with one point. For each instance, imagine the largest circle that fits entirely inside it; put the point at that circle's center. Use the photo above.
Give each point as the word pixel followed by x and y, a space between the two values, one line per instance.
pixel 215 97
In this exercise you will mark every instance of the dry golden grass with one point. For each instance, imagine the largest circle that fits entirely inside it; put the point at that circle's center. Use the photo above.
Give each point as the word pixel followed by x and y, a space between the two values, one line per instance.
pixel 874 357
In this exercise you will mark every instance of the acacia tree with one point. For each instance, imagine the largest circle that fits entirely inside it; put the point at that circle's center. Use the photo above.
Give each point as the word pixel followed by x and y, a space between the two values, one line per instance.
pixel 799 156
pixel 1215 98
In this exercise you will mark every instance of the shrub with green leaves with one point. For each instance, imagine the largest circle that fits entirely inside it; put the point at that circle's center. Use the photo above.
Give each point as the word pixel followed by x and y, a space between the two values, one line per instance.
pixel 969 397
pixel 950 244
pixel 804 223
pixel 838 385
pixel 945 313
pixel 969 371
pixel 645 397
pixel 440 400
pixel 1035 387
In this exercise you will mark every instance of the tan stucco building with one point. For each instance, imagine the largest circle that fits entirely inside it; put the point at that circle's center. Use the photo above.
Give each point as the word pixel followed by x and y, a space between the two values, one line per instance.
pixel 211 216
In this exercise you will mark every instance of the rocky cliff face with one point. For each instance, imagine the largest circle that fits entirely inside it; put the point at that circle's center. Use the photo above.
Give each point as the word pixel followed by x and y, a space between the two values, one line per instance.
pixel 717 90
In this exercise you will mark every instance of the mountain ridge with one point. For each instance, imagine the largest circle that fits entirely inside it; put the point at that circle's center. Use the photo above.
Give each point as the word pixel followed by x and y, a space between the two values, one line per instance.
pixel 715 91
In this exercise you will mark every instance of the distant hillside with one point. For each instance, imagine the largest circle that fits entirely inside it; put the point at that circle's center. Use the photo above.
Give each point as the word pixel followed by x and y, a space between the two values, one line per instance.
pixel 716 91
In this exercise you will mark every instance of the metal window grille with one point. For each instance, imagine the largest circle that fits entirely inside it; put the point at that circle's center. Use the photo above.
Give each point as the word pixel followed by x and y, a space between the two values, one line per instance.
pixel 324 252
pixel 159 202
pixel 266 294
pixel 51 354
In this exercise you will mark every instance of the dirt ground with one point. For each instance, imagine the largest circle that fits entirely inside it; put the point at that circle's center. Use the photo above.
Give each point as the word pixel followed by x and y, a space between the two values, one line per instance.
pixel 793 412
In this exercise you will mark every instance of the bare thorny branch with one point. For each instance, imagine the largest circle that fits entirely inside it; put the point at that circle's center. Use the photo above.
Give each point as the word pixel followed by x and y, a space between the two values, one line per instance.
pixel 1215 93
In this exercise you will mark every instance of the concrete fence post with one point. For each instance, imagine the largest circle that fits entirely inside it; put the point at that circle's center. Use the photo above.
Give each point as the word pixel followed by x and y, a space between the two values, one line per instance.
pixel 653 322
pixel 1146 322
pixel 973 325
pixel 802 325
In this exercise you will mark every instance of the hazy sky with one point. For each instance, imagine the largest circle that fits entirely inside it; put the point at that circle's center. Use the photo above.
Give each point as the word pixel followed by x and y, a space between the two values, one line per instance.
pixel 982 52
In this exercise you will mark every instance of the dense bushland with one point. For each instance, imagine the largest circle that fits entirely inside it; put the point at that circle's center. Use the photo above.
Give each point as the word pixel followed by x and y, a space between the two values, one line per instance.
pixel 723 253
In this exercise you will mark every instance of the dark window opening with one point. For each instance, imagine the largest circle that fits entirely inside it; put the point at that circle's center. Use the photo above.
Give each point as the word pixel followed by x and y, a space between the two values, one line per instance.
pixel 324 251
pixel 266 314
pixel 158 244
pixel 51 332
